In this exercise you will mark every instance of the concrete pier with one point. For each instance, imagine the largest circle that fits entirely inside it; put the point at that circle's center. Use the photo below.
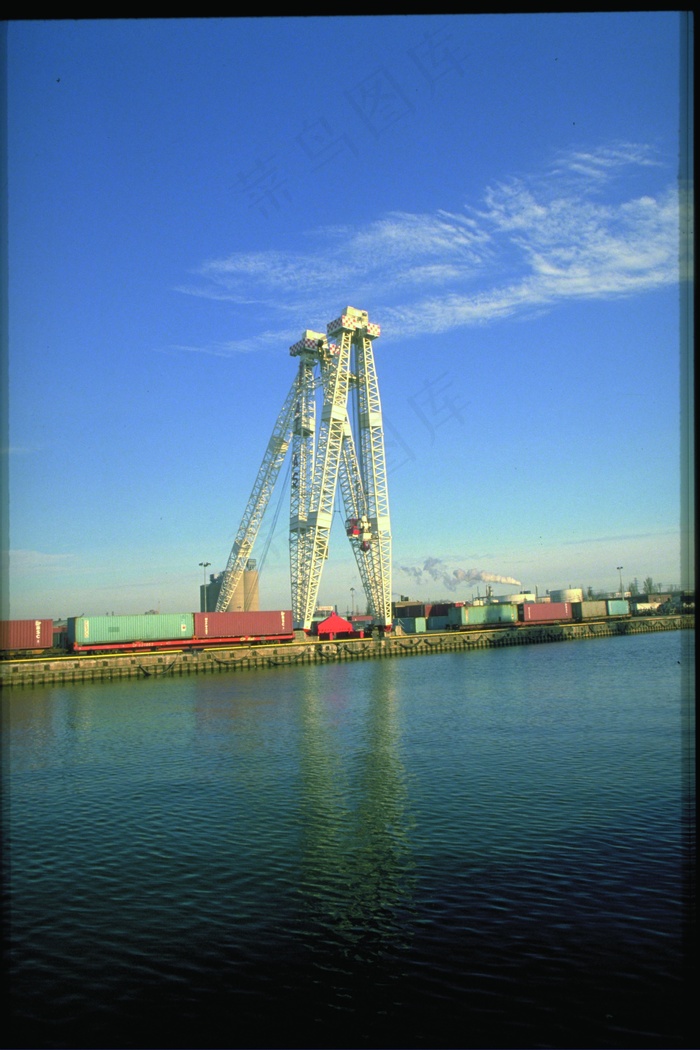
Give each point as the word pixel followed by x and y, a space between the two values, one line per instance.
pixel 71 668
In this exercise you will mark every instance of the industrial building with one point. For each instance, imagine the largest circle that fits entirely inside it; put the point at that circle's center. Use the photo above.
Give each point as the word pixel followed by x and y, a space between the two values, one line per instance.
pixel 244 598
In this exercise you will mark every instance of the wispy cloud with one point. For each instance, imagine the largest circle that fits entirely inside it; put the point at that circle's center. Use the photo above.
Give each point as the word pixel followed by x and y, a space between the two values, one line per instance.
pixel 262 341
pixel 531 242
pixel 21 450
pixel 28 562
pixel 622 538
pixel 605 161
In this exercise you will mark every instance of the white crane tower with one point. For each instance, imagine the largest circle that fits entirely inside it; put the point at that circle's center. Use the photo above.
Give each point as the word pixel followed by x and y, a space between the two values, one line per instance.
pixel 347 447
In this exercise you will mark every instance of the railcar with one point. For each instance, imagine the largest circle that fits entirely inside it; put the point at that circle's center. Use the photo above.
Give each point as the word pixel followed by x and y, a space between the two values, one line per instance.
pixel 148 632
pixel 25 637
pixel 105 634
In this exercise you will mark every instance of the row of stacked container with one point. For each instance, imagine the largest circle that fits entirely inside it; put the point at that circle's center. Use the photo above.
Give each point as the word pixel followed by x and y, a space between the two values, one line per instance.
pixel 461 616
pixel 85 633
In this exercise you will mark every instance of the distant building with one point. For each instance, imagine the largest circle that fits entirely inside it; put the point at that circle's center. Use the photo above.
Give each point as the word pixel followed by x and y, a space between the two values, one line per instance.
pixel 645 603
pixel 518 599
pixel 568 594
pixel 407 607
pixel 245 598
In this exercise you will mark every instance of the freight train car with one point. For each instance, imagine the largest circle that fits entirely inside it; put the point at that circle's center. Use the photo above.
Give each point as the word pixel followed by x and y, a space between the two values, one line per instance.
pixel 544 612
pixel 152 631
pixel 22 637
pixel 589 610
pixel 481 615
pixel 253 626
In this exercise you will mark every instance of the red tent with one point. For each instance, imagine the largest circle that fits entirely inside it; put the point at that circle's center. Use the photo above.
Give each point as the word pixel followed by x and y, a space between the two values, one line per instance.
pixel 334 626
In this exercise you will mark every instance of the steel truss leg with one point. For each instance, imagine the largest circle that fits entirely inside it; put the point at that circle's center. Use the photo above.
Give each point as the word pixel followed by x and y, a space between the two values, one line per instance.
pixel 328 454
pixel 303 458
pixel 373 467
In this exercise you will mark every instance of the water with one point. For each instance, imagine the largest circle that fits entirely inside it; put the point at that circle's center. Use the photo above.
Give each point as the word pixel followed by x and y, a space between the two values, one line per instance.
pixel 462 850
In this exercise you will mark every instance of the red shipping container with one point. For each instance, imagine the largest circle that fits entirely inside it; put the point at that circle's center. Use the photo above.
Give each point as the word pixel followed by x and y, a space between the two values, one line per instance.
pixel 26 634
pixel 541 612
pixel 244 624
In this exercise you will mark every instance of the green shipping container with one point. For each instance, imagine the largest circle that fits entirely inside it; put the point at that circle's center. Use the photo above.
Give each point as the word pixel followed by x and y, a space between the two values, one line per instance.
pixel 481 614
pixel 103 630
pixel 458 616
pixel 501 613
pixel 618 607
pixel 438 623
pixel 412 624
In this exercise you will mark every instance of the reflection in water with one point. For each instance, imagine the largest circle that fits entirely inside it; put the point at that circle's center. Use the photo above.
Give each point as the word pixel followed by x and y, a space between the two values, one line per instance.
pixel 376 854
pixel 357 867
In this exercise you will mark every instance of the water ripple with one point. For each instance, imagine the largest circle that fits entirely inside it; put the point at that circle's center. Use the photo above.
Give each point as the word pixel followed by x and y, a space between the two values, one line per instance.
pixel 472 850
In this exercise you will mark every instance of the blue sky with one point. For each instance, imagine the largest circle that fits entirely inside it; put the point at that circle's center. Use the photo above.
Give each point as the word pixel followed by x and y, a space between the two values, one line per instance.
pixel 500 193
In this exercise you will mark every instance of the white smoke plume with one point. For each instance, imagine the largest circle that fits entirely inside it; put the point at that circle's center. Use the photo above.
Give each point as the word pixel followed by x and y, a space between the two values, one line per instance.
pixel 436 569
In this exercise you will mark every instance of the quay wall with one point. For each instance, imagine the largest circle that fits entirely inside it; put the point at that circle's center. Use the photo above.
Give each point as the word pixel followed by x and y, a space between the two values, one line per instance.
pixel 80 668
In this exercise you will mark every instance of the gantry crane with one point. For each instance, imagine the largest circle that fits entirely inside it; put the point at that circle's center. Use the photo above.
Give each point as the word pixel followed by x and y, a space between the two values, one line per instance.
pixel 346 448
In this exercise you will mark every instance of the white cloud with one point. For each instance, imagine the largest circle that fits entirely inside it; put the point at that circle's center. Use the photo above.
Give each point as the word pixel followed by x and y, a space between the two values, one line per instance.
pixel 530 243
pixel 602 163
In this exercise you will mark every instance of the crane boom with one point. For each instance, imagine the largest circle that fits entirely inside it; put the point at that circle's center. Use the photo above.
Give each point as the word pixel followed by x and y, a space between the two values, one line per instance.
pixel 259 498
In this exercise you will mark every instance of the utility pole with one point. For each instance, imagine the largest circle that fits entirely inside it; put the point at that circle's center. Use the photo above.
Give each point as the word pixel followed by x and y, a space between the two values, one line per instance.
pixel 205 565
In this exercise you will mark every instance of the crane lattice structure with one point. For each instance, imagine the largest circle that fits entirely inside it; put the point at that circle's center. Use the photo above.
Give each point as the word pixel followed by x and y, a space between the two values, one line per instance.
pixel 346 448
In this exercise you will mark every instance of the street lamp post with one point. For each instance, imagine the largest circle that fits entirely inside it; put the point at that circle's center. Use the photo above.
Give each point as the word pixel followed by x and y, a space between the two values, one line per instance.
pixel 205 565
pixel 619 569
pixel 352 600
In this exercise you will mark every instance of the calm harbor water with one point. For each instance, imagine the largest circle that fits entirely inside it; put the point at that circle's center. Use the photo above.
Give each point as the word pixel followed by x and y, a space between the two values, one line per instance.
pixel 463 850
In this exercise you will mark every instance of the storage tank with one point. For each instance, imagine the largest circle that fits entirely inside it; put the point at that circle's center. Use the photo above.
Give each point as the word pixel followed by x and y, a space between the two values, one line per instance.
pixel 251 593
pixel 245 598
pixel 519 599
